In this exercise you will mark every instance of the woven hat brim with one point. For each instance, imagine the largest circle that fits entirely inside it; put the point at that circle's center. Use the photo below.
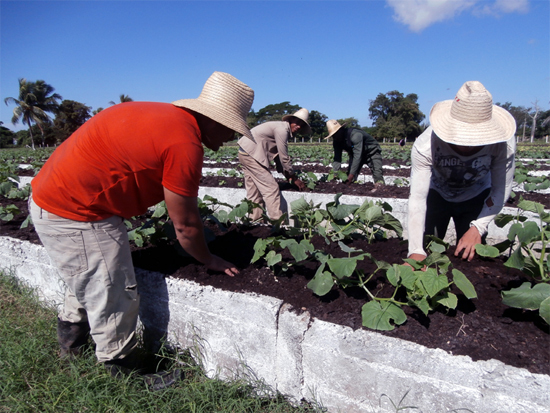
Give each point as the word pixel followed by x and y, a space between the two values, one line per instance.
pixel 336 130
pixel 226 118
pixel 307 128
pixel 500 128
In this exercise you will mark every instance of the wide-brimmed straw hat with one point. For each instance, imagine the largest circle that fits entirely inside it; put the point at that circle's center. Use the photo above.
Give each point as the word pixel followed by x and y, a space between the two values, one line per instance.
pixel 333 126
pixel 471 119
pixel 301 116
pixel 224 99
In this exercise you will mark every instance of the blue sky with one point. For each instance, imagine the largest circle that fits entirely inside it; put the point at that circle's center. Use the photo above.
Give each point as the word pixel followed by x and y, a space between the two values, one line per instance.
pixel 329 56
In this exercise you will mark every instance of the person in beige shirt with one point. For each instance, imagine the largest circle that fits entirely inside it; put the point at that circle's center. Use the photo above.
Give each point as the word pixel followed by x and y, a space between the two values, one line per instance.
pixel 271 144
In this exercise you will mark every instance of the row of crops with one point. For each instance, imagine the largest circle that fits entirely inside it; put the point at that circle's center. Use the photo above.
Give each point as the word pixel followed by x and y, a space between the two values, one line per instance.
pixel 426 285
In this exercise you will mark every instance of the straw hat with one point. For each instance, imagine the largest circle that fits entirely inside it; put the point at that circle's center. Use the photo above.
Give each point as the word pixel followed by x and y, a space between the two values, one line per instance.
pixel 302 116
pixel 224 99
pixel 471 119
pixel 333 126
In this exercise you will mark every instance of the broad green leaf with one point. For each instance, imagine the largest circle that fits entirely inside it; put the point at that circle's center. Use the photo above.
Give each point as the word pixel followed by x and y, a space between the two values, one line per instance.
pixel 400 274
pixel 259 249
pixel 160 211
pixel 347 249
pixel 423 305
pixel 373 213
pixel 433 282
pixel 319 216
pixel 298 206
pixel 392 223
pixel 531 206
pixel 513 231
pixel 415 264
pixel 436 259
pixel 342 211
pixel 544 310
pixel 342 267
pixel 435 247
pixel 516 260
pixel 408 278
pixel 6 216
pixel 222 215
pixel 464 284
pixel 447 299
pixel 298 251
pixel 240 211
pixel 526 297
pixel 273 258
pixel 26 222
pixel 322 283
pixel 378 316
pixel 529 233
pixel 148 231
pixel 308 246
pixel 487 250
pixel 501 220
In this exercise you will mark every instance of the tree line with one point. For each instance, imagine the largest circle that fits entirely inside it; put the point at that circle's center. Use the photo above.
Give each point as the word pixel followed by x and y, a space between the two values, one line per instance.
pixel 51 120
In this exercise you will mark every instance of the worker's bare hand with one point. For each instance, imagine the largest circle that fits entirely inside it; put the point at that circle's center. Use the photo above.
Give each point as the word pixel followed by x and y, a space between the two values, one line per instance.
pixel 350 180
pixel 416 257
pixel 467 244
pixel 301 186
pixel 221 265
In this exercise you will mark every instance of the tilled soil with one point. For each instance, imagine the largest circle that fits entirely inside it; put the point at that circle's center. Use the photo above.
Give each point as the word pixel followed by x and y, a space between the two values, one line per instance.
pixel 363 189
pixel 481 328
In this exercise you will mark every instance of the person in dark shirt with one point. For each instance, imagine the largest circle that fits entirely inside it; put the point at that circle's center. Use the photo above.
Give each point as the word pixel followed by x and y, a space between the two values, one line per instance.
pixel 362 149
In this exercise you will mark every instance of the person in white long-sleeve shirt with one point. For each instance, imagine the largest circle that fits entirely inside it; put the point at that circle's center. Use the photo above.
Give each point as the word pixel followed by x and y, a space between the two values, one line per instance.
pixel 462 168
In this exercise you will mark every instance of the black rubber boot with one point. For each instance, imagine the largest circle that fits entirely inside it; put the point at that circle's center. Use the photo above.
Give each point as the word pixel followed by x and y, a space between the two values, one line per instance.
pixel 162 379
pixel 126 366
pixel 135 363
pixel 72 338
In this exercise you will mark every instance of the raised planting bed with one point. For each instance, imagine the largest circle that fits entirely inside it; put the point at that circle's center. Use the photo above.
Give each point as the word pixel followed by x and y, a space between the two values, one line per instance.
pixel 482 356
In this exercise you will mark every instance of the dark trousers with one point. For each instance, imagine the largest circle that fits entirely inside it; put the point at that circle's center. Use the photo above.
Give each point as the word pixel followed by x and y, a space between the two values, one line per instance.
pixel 439 212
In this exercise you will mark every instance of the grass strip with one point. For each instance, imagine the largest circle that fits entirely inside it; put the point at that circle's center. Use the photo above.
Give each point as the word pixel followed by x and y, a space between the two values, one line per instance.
pixel 34 379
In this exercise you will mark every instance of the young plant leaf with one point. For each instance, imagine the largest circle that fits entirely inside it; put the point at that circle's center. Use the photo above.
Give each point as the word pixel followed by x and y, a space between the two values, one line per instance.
pixel 433 282
pixel 322 282
pixel 343 267
pixel 544 310
pixel 447 299
pixel 273 258
pixel 378 316
pixel 464 284
pixel 487 250
pixel 526 297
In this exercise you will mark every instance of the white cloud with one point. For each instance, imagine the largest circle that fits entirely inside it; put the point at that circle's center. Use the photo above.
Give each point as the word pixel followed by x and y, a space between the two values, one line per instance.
pixel 503 6
pixel 419 14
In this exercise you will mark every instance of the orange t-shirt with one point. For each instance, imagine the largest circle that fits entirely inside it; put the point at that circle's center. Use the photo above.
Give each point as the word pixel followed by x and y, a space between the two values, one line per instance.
pixel 118 162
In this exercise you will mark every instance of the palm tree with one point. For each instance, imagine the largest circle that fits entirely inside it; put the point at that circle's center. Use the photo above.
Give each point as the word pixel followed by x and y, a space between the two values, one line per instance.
pixel 46 100
pixel 123 98
pixel 34 101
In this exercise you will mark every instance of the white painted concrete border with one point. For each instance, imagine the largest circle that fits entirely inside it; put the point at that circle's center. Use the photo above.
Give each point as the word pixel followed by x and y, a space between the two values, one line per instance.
pixel 347 370
pixel 302 357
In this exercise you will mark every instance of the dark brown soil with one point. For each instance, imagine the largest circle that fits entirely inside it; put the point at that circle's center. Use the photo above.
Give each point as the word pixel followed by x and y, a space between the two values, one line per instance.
pixel 482 328
pixel 385 191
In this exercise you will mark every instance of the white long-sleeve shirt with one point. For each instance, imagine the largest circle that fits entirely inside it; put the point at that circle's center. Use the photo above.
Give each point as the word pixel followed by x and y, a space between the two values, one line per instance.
pixel 435 165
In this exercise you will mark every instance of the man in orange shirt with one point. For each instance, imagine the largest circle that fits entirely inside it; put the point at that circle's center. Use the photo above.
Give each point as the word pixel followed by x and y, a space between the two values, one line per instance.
pixel 122 161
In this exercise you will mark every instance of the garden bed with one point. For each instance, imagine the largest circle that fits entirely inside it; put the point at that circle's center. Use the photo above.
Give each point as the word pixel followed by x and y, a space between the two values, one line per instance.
pixel 482 328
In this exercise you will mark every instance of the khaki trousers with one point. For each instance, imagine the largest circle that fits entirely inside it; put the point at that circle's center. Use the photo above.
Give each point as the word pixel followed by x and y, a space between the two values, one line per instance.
pixel 261 187
pixel 95 262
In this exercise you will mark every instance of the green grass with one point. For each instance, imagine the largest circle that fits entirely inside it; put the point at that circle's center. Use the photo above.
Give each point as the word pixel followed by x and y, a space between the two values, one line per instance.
pixel 34 379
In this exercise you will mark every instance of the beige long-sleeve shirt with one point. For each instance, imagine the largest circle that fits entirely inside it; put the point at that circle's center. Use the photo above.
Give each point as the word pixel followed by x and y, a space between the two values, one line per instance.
pixel 457 178
pixel 271 143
